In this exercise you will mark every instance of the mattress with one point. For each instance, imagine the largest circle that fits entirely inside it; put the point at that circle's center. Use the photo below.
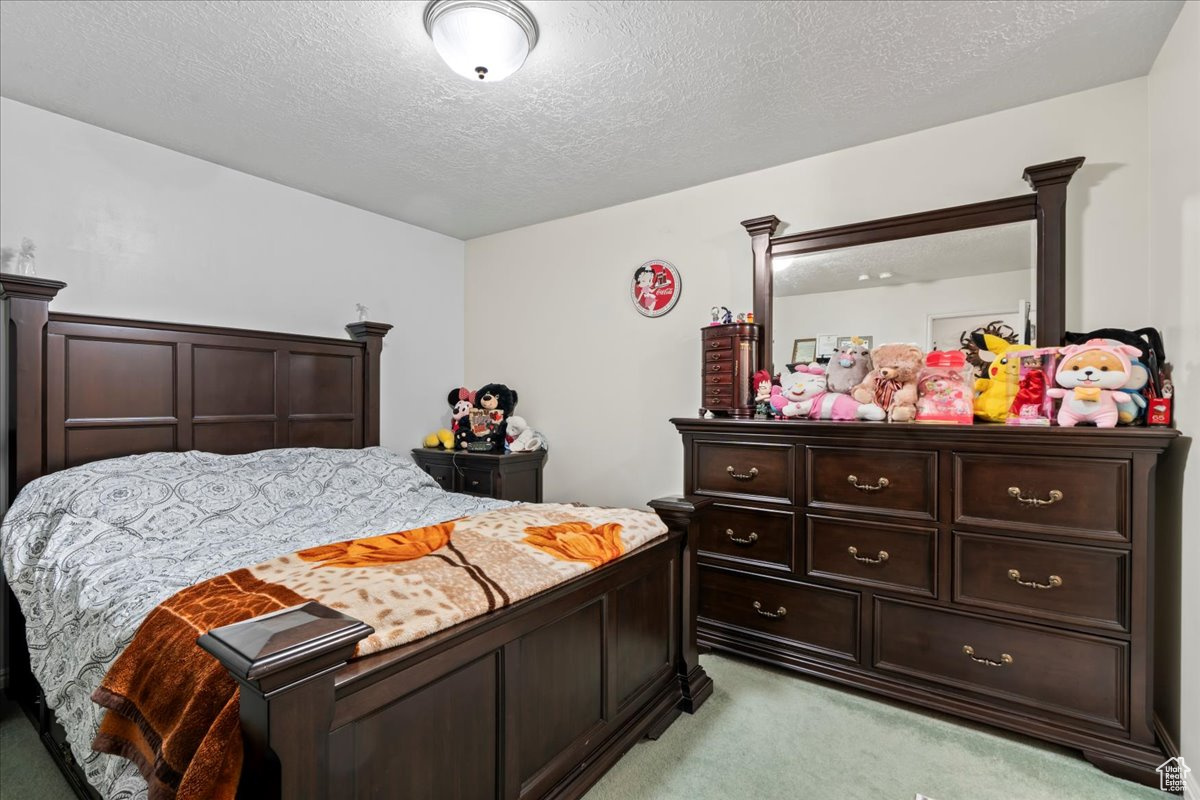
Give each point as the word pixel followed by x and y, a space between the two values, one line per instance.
pixel 91 550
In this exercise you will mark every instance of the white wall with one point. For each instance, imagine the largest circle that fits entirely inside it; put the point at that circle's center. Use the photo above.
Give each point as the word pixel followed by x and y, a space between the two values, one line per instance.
pixel 1174 203
pixel 891 313
pixel 548 307
pixel 140 231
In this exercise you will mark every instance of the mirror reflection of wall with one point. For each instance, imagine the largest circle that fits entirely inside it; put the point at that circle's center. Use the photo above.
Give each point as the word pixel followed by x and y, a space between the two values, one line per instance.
pixel 916 290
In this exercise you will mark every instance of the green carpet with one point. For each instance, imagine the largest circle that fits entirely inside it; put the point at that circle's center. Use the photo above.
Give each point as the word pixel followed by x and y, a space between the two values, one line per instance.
pixel 770 735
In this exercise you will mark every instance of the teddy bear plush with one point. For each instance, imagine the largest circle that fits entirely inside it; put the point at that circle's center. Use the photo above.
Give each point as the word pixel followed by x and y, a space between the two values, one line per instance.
pixel 848 368
pixel 804 389
pixel 520 438
pixel 892 382
pixel 1091 377
pixel 487 419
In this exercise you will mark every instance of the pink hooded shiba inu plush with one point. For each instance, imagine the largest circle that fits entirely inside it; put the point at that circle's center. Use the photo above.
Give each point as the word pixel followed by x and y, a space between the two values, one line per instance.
pixel 1091 376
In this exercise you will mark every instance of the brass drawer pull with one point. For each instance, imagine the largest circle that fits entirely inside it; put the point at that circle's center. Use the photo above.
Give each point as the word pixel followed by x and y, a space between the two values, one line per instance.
pixel 866 487
pixel 743 476
pixel 751 539
pixel 776 614
pixel 1055 496
pixel 879 559
pixel 714 344
pixel 715 368
pixel 1005 658
pixel 1054 582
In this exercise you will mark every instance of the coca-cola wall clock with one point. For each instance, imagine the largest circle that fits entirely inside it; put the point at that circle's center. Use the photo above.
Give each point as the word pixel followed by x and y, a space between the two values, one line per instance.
pixel 655 288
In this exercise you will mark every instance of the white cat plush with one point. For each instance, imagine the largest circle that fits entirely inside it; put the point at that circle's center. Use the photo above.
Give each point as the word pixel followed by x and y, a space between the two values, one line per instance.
pixel 804 387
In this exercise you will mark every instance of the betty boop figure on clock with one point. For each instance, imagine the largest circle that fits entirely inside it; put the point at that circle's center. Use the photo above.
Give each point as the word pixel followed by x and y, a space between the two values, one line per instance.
pixel 655 288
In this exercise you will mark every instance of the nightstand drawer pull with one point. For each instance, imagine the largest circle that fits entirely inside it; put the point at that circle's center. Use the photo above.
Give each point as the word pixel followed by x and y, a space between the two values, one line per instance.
pixel 1053 583
pixel 1005 658
pixel 867 487
pixel 879 559
pixel 743 476
pixel 751 539
pixel 776 614
pixel 1015 491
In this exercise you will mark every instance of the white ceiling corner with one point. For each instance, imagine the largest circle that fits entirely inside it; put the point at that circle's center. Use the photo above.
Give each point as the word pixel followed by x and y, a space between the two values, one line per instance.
pixel 620 100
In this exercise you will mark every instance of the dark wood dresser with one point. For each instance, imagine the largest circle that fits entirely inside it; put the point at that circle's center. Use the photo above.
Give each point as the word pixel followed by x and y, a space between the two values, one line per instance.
pixel 728 358
pixel 998 573
pixel 505 476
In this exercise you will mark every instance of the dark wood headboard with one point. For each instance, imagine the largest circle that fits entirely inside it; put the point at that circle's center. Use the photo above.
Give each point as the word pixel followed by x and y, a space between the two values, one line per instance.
pixel 84 388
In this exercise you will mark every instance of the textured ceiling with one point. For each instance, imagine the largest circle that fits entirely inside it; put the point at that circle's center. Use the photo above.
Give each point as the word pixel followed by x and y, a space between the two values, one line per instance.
pixel 981 251
pixel 620 100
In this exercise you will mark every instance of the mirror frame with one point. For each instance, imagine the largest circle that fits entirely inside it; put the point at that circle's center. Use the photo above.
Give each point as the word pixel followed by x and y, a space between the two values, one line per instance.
pixel 1046 205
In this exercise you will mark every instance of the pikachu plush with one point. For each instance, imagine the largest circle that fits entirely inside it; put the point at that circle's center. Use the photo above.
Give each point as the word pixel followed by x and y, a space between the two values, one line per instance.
pixel 997 390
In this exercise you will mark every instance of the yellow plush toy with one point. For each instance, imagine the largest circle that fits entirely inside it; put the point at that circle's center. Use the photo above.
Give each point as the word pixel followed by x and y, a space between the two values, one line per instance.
pixel 996 392
pixel 443 437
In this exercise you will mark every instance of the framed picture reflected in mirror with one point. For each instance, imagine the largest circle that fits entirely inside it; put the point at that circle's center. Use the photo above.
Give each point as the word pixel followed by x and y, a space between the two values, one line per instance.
pixel 804 351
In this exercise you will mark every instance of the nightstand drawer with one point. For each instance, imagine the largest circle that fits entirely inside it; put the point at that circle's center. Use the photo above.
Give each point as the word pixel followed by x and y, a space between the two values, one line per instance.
pixel 901 483
pixel 475 481
pixel 443 474
pixel 888 556
pixel 1075 584
pixel 1081 497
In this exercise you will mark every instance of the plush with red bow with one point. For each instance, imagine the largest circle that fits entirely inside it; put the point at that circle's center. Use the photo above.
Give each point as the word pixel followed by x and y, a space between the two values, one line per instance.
pixel 892 382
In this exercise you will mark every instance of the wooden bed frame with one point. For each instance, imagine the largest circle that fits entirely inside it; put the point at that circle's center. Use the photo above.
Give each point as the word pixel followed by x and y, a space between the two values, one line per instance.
pixel 536 700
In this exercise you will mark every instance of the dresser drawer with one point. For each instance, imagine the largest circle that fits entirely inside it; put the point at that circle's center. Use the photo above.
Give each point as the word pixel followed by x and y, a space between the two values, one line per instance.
pixel 716 369
pixel 890 556
pixel 765 471
pixel 1074 584
pixel 717 343
pixel 810 616
pixel 1082 497
pixel 1070 674
pixel 748 534
pixel 718 356
pixel 901 483
pixel 718 379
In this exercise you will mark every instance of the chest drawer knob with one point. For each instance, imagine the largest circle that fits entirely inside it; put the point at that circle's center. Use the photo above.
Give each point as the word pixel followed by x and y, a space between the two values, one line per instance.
pixel 776 614
pixel 868 487
pixel 1005 658
pixel 879 559
pixel 743 476
pixel 1053 583
pixel 1015 491
pixel 749 540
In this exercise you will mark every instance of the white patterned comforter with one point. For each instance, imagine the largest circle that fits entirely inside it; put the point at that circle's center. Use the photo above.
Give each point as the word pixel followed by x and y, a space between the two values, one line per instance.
pixel 90 551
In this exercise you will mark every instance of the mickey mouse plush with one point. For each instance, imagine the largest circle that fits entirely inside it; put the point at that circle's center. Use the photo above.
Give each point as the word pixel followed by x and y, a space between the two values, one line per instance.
pixel 487 420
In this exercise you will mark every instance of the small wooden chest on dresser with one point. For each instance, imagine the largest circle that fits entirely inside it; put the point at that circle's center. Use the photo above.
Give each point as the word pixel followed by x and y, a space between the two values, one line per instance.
pixel 505 476
pixel 728 355
pixel 1002 574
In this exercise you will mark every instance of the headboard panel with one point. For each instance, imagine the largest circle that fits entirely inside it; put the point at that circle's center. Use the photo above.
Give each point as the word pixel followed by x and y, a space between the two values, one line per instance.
pixel 84 388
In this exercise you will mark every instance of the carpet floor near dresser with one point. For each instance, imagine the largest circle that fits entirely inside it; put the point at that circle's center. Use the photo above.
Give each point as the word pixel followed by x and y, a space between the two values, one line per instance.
pixel 768 735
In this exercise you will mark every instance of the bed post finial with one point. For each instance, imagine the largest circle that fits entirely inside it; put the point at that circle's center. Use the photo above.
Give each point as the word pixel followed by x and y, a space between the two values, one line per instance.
pixel 27 311
pixel 371 334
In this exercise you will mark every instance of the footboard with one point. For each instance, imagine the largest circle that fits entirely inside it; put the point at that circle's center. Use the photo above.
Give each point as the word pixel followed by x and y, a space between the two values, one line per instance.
pixel 537 700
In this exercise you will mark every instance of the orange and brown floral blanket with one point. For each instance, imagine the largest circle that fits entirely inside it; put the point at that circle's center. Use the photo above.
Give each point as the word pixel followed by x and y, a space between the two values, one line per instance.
pixel 173 710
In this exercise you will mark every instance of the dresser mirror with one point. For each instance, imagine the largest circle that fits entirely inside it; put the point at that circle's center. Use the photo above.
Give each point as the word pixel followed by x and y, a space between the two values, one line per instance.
pixel 931 290
pixel 926 278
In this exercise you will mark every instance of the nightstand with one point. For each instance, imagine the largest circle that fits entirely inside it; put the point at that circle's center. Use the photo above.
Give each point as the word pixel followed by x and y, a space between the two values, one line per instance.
pixel 505 476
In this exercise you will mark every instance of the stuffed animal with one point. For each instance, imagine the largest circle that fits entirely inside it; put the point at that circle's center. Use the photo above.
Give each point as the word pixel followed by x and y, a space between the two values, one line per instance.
pixel 996 392
pixel 892 382
pixel 520 438
pixel 761 382
pixel 1091 378
pixel 443 438
pixel 460 400
pixel 848 367
pixel 486 421
pixel 807 395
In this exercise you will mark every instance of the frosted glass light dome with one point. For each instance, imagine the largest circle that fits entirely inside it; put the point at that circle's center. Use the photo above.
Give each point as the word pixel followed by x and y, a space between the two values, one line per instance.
pixel 484 40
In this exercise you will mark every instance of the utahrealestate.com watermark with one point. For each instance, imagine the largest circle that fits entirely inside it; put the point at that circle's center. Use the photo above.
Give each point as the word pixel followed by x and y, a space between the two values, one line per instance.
pixel 1172 774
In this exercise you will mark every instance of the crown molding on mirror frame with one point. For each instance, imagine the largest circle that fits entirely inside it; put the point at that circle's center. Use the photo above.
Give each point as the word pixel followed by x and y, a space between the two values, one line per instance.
pixel 1046 205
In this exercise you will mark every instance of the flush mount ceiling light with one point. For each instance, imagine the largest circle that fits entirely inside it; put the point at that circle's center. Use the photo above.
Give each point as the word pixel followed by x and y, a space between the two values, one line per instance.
pixel 485 40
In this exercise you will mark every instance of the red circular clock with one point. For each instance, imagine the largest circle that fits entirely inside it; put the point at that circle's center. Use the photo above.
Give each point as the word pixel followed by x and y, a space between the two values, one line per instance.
pixel 655 288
